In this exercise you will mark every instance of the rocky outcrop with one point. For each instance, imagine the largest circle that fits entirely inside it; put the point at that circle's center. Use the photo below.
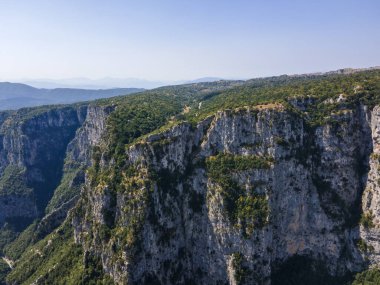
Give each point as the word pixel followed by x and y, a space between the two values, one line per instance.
pixel 89 134
pixel 170 223
pixel 45 145
pixel 78 155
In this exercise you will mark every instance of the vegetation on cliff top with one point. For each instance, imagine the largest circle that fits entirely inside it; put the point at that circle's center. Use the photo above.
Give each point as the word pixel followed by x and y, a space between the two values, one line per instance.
pixel 140 114
pixel 357 87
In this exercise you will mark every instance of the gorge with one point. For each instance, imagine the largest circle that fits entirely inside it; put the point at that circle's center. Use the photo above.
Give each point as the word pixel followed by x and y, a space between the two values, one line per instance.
pixel 266 181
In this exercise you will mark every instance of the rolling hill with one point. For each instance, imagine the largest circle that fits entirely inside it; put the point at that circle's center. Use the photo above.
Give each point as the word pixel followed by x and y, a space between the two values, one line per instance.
pixel 16 95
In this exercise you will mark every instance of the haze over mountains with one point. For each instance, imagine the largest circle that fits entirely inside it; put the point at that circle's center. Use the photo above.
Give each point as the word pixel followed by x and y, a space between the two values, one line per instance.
pixel 39 92
pixel 33 93
pixel 108 82
pixel 17 95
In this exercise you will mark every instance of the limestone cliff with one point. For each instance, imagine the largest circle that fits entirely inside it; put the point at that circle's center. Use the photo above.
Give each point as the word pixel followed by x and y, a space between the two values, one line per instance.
pixel 34 148
pixel 170 222
pixel 41 149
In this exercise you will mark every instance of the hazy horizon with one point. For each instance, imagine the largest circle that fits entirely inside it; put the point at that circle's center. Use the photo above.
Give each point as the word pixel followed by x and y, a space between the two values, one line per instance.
pixel 110 83
pixel 107 82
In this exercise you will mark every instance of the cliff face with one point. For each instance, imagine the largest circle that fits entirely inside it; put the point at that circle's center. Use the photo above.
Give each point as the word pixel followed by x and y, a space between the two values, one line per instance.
pixel 78 155
pixel 36 155
pixel 35 149
pixel 370 230
pixel 296 200
pixel 89 134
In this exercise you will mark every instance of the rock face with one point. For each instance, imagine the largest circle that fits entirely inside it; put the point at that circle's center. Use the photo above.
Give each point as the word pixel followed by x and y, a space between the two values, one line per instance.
pixel 78 155
pixel 169 222
pixel 370 233
pixel 290 200
pixel 89 134
pixel 36 146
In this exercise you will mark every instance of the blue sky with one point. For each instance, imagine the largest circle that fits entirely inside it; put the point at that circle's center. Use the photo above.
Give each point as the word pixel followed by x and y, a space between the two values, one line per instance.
pixel 178 39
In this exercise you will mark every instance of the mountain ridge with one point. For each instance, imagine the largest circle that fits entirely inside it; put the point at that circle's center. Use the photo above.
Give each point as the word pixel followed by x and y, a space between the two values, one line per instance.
pixel 18 95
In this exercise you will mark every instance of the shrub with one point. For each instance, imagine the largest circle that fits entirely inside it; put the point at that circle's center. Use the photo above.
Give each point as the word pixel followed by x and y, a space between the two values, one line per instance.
pixel 240 271
pixel 366 220
pixel 247 211
pixel 364 247
pixel 368 277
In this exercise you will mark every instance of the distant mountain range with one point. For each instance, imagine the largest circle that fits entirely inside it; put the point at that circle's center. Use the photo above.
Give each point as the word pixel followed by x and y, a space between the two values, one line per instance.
pixel 108 83
pixel 17 95
pixel 204 79
pixel 86 83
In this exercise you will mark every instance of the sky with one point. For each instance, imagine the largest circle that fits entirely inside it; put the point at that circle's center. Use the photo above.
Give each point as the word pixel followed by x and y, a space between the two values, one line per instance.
pixel 185 39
